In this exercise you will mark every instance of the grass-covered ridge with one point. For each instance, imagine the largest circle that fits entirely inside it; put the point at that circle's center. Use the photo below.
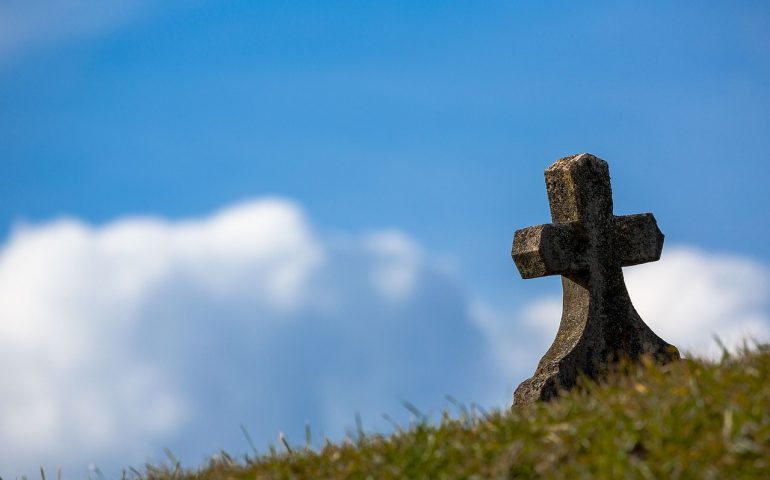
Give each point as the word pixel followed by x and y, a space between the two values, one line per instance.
pixel 692 419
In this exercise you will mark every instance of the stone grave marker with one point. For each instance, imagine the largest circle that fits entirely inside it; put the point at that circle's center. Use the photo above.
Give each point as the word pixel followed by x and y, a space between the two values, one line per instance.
pixel 587 245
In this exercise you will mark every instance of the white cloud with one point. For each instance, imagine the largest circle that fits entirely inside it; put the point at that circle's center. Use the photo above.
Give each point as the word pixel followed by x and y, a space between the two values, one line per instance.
pixel 119 340
pixel 688 298
pixel 398 265
pixel 71 297
pixel 28 24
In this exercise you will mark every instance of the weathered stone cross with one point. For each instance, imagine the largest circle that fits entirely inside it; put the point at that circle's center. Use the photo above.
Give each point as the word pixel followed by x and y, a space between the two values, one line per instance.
pixel 587 245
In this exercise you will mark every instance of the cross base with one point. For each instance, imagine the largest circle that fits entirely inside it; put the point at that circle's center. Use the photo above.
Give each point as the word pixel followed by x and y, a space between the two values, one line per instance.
pixel 594 334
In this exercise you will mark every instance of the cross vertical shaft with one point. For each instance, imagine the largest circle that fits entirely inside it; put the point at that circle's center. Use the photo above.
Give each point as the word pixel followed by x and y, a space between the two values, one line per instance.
pixel 587 245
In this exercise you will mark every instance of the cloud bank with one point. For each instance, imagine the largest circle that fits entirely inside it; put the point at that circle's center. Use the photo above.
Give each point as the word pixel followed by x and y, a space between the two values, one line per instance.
pixel 698 301
pixel 119 340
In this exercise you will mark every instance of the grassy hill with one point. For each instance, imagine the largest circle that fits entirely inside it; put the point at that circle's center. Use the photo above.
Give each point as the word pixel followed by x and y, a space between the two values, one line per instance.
pixel 693 419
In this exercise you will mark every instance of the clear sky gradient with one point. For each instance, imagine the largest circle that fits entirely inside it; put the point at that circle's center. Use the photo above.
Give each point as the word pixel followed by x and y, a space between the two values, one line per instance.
pixel 432 121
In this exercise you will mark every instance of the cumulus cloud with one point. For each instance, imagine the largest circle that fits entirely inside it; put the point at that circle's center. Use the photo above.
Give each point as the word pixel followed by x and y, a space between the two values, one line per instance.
pixel 691 298
pixel 122 339
pixel 119 340
pixel 75 302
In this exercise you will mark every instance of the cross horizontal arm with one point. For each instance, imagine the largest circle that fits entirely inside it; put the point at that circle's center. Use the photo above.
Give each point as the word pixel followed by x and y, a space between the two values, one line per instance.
pixel 638 239
pixel 550 249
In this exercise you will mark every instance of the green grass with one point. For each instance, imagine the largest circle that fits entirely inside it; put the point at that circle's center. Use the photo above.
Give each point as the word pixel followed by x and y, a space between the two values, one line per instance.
pixel 692 419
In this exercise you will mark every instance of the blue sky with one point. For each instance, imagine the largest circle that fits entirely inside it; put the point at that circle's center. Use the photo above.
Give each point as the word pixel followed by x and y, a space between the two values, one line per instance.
pixel 402 142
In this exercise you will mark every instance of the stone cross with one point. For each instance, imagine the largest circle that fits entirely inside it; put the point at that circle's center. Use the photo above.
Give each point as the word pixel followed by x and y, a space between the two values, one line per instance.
pixel 587 245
